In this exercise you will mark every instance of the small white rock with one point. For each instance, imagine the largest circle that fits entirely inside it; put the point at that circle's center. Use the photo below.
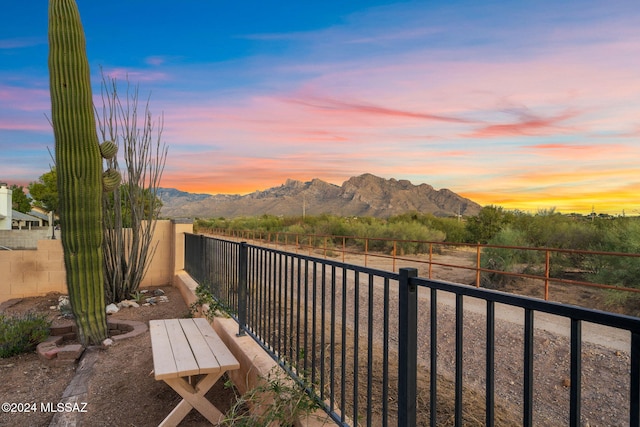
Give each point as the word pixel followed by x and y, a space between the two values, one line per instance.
pixel 127 303
pixel 112 308
pixel 107 342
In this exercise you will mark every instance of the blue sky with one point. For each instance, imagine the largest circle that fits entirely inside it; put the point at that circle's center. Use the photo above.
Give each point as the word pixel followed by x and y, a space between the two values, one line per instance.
pixel 528 105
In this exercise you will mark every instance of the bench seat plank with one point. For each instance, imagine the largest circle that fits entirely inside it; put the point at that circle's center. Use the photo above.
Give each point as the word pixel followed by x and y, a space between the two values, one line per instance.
pixel 164 364
pixel 185 361
pixel 223 355
pixel 203 354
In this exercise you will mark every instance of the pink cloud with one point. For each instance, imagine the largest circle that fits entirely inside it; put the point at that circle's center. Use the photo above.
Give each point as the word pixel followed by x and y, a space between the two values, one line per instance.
pixel 341 107
pixel 23 125
pixel 25 99
pixel 155 60
pixel 528 124
pixel 574 152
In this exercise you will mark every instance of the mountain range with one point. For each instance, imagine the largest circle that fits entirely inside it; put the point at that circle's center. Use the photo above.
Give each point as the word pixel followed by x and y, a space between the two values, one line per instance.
pixel 364 195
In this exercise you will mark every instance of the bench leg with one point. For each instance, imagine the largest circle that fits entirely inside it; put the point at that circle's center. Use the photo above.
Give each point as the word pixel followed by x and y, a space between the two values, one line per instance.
pixel 193 398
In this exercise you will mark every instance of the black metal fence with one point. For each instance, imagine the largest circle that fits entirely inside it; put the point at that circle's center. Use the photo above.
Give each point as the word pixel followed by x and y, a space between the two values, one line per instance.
pixel 376 352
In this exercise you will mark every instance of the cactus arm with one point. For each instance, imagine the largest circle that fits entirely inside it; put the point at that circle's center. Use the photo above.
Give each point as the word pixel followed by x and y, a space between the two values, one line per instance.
pixel 79 167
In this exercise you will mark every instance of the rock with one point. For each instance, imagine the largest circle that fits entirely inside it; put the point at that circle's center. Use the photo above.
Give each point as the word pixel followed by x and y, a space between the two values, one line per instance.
pixel 112 308
pixel 64 305
pixel 158 292
pixel 128 303
pixel 151 300
pixel 107 343
pixel 163 298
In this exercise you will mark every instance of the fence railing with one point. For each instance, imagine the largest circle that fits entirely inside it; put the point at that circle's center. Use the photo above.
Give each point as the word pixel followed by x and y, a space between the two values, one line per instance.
pixel 369 344
pixel 555 270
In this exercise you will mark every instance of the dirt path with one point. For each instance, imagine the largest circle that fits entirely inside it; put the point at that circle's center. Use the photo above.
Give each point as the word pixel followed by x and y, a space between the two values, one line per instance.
pixel 605 336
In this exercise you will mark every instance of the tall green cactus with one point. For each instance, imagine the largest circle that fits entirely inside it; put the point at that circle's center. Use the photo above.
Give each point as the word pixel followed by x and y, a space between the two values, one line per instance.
pixel 79 167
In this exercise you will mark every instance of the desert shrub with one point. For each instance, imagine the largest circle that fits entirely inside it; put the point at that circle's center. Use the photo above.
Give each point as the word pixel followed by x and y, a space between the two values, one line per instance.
pixel 276 400
pixel 552 230
pixel 621 236
pixel 411 237
pixel 453 229
pixel 505 259
pixel 207 305
pixel 21 334
pixel 296 229
pixel 489 221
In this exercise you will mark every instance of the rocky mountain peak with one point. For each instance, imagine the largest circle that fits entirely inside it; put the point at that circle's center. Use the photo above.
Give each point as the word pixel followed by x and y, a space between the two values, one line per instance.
pixel 364 195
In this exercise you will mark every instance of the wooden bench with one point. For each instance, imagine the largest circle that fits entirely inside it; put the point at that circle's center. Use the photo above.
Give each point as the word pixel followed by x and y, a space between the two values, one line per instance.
pixel 182 349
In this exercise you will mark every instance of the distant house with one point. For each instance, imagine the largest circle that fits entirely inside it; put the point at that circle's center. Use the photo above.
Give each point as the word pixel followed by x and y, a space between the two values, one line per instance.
pixel 11 219
pixel 20 221
pixel 43 217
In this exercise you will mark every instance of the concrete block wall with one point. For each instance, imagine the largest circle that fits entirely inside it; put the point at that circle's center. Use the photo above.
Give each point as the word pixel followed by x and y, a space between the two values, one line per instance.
pixel 24 239
pixel 26 273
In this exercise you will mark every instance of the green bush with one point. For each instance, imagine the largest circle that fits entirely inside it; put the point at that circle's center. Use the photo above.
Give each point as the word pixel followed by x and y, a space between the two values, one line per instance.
pixel 21 334
pixel 276 400
pixel 507 260
pixel 619 236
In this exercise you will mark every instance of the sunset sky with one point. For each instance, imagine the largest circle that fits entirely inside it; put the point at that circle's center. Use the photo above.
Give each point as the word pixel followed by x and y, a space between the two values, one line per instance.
pixel 529 104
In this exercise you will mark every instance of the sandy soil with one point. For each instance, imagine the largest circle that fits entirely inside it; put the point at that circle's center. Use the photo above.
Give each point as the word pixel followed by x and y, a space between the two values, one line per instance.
pixel 121 391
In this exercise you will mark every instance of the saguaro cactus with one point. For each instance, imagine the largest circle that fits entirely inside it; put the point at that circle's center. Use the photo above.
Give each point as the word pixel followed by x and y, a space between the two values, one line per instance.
pixel 79 168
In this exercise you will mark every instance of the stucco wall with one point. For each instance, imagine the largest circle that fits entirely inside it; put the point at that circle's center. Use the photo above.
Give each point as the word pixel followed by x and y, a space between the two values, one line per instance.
pixel 25 273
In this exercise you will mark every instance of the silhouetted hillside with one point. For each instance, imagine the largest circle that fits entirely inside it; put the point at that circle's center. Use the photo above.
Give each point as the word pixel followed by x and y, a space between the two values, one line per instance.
pixel 364 195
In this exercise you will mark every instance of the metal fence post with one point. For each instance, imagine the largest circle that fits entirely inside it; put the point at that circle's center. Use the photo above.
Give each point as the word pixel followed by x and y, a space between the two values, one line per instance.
pixel 243 260
pixel 200 267
pixel 407 347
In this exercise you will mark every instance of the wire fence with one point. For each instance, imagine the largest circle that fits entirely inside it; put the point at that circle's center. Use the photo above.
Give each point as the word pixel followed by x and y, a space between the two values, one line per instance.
pixel 560 275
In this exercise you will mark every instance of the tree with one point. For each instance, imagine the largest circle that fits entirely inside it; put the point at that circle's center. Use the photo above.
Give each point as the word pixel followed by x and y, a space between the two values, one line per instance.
pixel 19 200
pixel 151 206
pixel 44 192
pixel 487 223
pixel 130 214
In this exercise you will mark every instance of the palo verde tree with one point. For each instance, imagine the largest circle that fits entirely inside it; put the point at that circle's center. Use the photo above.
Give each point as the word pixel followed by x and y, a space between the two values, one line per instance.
pixel 44 191
pixel 80 178
pixel 130 213
pixel 19 200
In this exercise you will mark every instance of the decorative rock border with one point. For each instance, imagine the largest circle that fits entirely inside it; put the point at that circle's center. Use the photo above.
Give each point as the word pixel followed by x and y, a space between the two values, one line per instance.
pixel 54 352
